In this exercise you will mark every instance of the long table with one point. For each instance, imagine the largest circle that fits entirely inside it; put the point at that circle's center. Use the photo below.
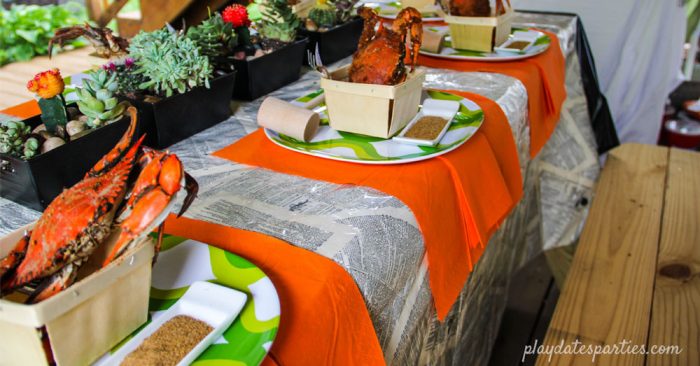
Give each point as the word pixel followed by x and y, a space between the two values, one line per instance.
pixel 375 237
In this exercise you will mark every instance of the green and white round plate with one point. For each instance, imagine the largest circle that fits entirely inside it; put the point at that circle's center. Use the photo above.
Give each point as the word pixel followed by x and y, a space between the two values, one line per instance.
pixel 344 146
pixel 247 341
pixel 390 9
pixel 541 44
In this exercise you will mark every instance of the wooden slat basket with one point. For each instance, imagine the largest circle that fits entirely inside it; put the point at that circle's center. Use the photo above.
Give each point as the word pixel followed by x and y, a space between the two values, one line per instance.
pixel 84 321
pixel 479 33
pixel 370 109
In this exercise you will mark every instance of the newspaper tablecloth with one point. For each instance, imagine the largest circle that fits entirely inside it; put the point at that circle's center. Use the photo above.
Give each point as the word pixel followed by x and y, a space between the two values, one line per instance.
pixel 375 236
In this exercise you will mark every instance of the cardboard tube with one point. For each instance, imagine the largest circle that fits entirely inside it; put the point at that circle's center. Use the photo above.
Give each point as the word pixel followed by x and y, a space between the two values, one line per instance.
pixel 286 118
pixel 432 41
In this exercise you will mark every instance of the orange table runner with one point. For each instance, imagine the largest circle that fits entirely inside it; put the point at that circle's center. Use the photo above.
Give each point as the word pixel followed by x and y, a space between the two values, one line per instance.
pixel 25 110
pixel 543 76
pixel 459 198
pixel 324 320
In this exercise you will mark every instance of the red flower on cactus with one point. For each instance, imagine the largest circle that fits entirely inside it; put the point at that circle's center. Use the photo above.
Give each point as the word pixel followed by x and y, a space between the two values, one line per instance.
pixel 47 84
pixel 237 15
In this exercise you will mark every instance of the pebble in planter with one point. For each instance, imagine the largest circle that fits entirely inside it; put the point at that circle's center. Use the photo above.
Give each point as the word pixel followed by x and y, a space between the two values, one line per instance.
pixel 42 155
pixel 272 57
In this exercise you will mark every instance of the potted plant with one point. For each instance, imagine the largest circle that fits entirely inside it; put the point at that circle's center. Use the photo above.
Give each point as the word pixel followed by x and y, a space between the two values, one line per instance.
pixel 334 28
pixel 271 55
pixel 180 81
pixel 42 155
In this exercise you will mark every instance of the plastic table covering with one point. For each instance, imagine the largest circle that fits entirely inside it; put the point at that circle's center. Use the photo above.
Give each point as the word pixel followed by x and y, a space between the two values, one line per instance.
pixel 375 236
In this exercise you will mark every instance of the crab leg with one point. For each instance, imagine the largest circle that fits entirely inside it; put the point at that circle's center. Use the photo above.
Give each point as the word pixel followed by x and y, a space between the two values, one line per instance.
pixel 370 21
pixel 56 283
pixel 15 257
pixel 116 154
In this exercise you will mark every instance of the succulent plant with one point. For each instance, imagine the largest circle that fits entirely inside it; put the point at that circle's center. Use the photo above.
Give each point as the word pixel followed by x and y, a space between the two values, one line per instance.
pixel 323 14
pixel 127 78
pixel 48 86
pixel 16 140
pixel 344 10
pixel 279 22
pixel 169 61
pixel 214 37
pixel 97 99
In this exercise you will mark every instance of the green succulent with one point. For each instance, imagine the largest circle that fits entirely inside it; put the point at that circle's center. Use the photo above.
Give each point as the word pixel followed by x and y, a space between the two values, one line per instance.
pixel 15 140
pixel 169 61
pixel 97 99
pixel 214 37
pixel 278 21
pixel 344 10
pixel 127 79
pixel 323 14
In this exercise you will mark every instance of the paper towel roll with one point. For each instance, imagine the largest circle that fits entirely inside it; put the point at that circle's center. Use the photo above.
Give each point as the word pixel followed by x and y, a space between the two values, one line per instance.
pixel 286 118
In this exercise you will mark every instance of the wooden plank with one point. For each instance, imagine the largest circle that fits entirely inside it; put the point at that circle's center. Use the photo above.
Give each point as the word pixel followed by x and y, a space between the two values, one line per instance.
pixel 14 76
pixel 110 12
pixel 676 309
pixel 607 295
pixel 155 13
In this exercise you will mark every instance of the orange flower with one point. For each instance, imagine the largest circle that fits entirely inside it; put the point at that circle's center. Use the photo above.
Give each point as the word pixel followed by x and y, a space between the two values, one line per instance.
pixel 47 84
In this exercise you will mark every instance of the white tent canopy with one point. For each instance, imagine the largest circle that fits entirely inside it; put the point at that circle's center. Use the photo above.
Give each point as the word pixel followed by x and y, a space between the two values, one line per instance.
pixel 638 49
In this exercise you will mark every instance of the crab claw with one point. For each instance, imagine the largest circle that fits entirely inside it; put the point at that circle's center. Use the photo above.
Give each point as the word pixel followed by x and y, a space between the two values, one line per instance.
pixel 156 185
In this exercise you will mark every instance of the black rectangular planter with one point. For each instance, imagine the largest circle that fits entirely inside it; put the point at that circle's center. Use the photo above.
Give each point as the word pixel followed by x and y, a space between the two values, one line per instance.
pixel 261 75
pixel 336 43
pixel 180 116
pixel 36 182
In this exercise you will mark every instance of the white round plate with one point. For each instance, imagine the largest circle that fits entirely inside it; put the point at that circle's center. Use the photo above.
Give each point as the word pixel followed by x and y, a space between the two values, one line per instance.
pixel 349 147
pixel 542 43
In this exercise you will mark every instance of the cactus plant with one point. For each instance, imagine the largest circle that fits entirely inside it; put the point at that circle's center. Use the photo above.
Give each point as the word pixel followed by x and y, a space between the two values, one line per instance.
pixel 279 22
pixel 48 86
pixel 169 62
pixel 97 99
pixel 323 14
pixel 16 140
pixel 215 38
pixel 237 16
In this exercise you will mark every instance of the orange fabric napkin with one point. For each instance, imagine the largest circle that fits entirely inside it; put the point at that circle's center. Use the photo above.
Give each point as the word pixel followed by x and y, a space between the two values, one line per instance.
pixel 324 320
pixel 458 199
pixel 25 110
pixel 543 76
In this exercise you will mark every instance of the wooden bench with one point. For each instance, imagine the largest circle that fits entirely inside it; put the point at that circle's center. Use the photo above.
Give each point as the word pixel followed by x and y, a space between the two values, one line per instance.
pixel 635 276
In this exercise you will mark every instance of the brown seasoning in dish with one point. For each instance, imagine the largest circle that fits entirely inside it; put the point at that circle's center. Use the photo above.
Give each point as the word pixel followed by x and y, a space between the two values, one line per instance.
pixel 426 128
pixel 170 343
pixel 518 45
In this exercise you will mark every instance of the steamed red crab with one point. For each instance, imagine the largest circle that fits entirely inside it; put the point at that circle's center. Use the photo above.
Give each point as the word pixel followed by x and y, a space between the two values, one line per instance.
pixel 380 55
pixel 127 191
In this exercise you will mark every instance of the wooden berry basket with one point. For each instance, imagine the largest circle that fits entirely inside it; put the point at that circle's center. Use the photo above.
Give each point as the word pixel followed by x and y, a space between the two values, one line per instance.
pixel 369 109
pixel 479 33
pixel 78 325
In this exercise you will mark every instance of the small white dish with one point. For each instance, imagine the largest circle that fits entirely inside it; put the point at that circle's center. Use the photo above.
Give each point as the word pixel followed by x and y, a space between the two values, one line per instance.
pixel 431 107
pixel 213 304
pixel 506 47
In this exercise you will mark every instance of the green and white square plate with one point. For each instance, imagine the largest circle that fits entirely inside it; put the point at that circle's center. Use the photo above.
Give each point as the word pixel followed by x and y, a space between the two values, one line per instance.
pixel 182 262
